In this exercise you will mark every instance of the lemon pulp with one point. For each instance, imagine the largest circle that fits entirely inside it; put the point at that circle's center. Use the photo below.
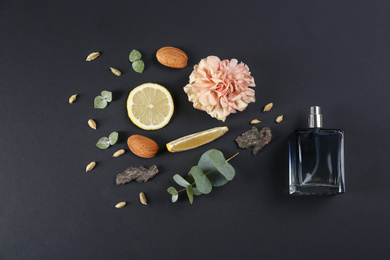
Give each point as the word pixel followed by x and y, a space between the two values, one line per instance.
pixel 195 140
pixel 150 106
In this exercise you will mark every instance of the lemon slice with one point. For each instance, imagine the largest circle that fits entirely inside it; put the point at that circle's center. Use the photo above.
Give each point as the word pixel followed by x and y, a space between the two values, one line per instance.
pixel 150 106
pixel 195 140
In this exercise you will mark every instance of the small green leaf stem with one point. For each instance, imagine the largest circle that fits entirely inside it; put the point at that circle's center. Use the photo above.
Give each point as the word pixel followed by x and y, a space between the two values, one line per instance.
pixel 107 95
pixel 138 66
pixel 100 102
pixel 103 100
pixel 134 55
pixel 105 142
pixel 174 193
pixel 113 138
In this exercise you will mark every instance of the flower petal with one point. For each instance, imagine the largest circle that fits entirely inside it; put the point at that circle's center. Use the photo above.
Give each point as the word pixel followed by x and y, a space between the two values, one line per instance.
pixel 220 87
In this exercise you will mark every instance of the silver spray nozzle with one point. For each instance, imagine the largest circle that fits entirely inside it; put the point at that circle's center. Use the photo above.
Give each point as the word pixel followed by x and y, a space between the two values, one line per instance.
pixel 315 117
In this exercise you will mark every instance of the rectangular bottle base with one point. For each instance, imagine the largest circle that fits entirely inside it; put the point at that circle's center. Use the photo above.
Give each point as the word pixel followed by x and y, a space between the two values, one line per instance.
pixel 316 162
pixel 315 190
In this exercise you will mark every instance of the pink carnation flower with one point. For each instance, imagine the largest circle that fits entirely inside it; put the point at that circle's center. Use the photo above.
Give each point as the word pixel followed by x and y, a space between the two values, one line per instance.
pixel 220 87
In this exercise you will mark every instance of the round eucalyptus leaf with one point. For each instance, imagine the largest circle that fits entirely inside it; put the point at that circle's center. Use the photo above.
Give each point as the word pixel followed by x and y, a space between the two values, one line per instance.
pixel 113 138
pixel 172 190
pixel 190 193
pixel 103 143
pixel 138 66
pixel 202 182
pixel 205 163
pixel 107 95
pixel 227 171
pixel 214 159
pixel 217 158
pixel 217 179
pixel 174 193
pixel 174 198
pixel 134 55
pixel 100 102
pixel 196 192
pixel 180 180
pixel 190 179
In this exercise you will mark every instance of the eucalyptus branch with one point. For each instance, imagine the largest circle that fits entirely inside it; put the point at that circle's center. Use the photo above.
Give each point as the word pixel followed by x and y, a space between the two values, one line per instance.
pixel 227 160
pixel 204 183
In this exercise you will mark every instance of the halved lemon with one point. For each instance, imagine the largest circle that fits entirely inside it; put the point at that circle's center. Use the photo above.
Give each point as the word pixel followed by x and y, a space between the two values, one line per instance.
pixel 195 140
pixel 150 106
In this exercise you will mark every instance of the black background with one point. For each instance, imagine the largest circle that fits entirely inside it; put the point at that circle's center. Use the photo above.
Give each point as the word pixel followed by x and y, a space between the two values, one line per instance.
pixel 334 54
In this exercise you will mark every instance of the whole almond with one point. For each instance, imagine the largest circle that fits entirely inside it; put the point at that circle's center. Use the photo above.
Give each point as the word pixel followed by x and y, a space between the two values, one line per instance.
pixel 92 124
pixel 172 57
pixel 142 146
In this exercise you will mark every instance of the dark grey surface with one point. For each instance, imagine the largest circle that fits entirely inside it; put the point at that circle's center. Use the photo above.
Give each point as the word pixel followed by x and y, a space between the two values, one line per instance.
pixel 334 54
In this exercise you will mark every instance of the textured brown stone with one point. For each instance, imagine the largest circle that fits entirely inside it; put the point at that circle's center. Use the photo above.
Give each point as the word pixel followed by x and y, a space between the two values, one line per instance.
pixel 255 138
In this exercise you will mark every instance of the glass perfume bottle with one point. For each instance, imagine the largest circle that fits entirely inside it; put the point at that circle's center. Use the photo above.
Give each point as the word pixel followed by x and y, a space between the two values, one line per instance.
pixel 316 159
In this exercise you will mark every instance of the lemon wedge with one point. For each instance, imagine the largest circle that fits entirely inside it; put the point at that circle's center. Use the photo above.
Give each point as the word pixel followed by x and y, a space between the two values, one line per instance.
pixel 195 140
pixel 150 106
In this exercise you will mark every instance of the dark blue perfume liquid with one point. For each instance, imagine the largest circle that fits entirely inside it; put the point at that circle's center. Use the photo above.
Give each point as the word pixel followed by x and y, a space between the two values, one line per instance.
pixel 316 162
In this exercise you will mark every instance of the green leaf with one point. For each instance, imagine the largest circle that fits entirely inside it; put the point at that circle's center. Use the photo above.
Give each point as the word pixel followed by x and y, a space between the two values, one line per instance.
pixel 202 182
pixel 113 138
pixel 134 55
pixel 190 193
pixel 174 193
pixel 215 177
pixel 215 158
pixel 196 192
pixel 100 102
pixel 172 190
pixel 228 171
pixel 107 95
pixel 174 198
pixel 138 66
pixel 190 179
pixel 103 143
pixel 180 180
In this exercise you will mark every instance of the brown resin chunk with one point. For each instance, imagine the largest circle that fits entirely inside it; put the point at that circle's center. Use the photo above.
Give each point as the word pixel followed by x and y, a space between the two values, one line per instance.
pixel 255 138
pixel 140 174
